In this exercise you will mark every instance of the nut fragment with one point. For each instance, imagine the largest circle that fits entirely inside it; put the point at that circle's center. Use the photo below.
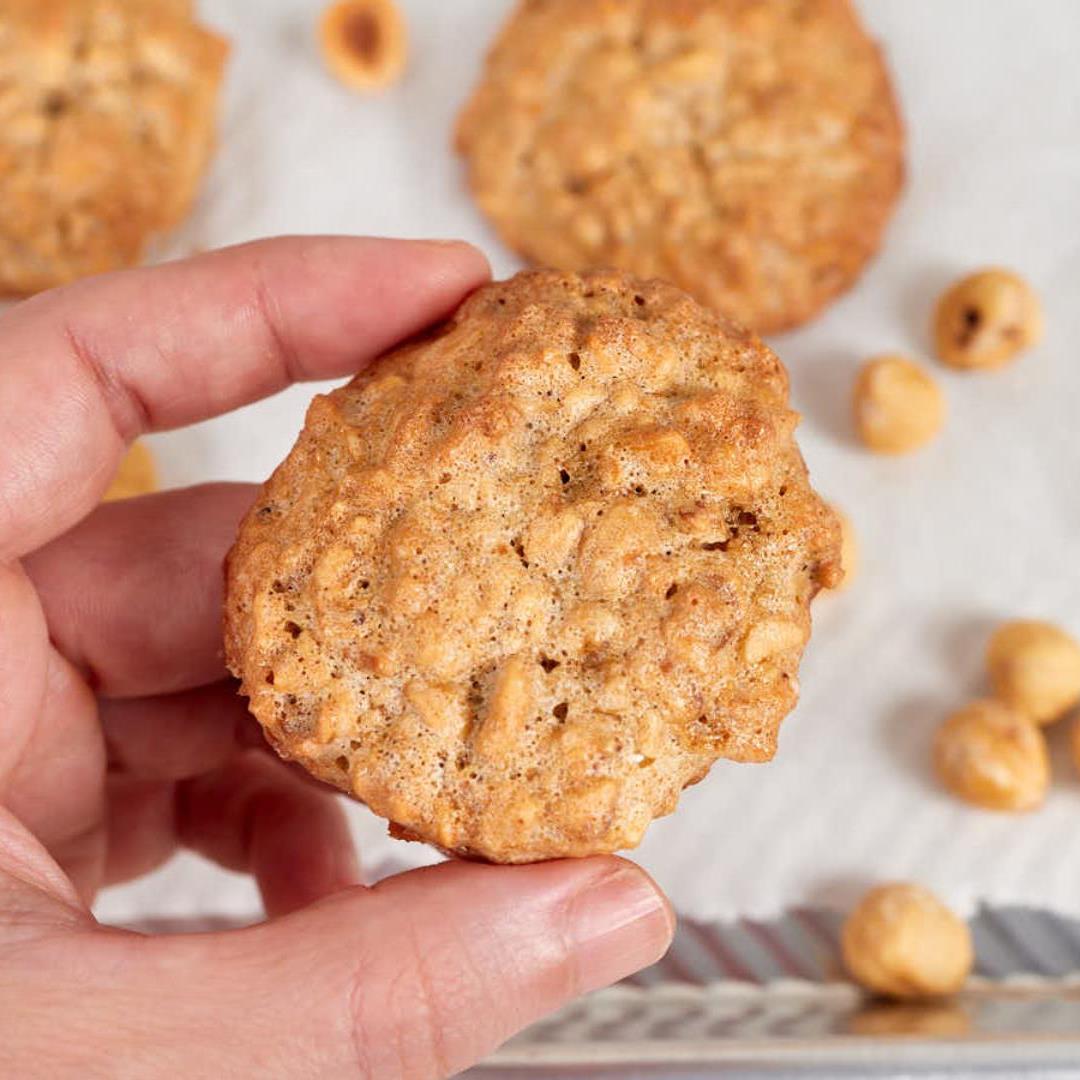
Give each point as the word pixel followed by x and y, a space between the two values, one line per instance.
pixel 901 941
pixel 986 320
pixel 990 755
pixel 1035 668
pixel 772 636
pixel 512 703
pixel 364 43
pixel 849 548
pixel 897 405
pixel 136 474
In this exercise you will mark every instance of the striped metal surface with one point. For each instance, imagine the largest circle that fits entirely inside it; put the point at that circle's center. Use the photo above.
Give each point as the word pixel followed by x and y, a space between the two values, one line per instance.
pixel 804 945
pixel 770 997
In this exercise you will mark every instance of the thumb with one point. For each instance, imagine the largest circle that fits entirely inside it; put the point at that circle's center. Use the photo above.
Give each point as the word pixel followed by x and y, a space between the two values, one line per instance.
pixel 419 977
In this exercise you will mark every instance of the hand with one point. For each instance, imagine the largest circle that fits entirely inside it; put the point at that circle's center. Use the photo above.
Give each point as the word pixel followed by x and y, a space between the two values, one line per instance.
pixel 120 738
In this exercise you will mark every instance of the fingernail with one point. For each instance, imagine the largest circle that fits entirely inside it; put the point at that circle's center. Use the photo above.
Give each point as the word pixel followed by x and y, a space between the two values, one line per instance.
pixel 437 243
pixel 461 246
pixel 621 923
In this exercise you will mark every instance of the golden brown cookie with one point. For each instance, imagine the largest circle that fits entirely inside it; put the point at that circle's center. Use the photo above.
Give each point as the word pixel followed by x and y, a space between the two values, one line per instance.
pixel 751 151
pixel 107 116
pixel 849 548
pixel 528 577
pixel 176 7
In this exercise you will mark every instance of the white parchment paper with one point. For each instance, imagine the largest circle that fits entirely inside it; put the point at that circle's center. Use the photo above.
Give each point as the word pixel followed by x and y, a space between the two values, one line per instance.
pixel 982 525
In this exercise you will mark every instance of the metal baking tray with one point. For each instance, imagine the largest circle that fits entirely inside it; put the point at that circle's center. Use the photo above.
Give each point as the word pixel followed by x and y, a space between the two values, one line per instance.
pixel 769 1000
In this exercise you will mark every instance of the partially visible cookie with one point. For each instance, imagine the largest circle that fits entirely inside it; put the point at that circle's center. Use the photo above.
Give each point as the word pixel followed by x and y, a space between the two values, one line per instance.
pixel 528 577
pixel 136 474
pixel 107 118
pixel 176 7
pixel 751 151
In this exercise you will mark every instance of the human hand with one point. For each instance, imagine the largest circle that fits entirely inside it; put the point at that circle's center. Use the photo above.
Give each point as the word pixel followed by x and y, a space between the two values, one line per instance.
pixel 121 740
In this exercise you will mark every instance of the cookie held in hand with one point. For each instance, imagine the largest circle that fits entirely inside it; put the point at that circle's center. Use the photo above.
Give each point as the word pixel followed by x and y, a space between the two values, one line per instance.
pixel 527 577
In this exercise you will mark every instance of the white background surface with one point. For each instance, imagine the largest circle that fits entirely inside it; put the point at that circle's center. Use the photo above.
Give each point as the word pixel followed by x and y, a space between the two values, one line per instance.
pixel 982 525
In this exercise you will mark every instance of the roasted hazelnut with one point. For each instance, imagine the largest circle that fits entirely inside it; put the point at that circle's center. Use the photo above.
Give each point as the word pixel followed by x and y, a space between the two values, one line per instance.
pixel 901 941
pixel 986 320
pixel 364 43
pixel 898 407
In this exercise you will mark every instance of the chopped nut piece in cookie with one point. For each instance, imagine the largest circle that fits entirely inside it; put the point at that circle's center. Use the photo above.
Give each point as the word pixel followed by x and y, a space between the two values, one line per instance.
pixel 986 320
pixel 772 636
pixel 992 756
pixel 1035 668
pixel 364 43
pixel 849 548
pixel 901 941
pixel 898 407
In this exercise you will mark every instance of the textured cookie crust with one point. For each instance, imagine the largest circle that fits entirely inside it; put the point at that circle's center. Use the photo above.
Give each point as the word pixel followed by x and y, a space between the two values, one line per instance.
pixel 526 578
pixel 107 111
pixel 751 151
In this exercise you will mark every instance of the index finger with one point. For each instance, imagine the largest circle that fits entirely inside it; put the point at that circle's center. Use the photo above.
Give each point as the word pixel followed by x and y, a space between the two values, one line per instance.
pixel 86 368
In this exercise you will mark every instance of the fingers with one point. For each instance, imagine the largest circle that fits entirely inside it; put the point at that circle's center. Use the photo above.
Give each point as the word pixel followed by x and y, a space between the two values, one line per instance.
pixel 206 736
pixel 24 661
pixel 55 784
pixel 421 976
pixel 51 753
pixel 141 827
pixel 132 594
pixel 482 952
pixel 415 979
pixel 255 816
pixel 33 889
pixel 178 736
pixel 87 367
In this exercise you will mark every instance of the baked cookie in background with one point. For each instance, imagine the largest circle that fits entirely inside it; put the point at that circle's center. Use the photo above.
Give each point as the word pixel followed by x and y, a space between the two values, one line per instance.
pixel 176 7
pixel 751 151
pixel 107 123
pixel 527 577
pixel 136 474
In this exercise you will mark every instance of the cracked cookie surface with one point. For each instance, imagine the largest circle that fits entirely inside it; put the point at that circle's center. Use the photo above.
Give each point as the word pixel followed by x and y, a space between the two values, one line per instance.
pixel 527 577
pixel 107 115
pixel 751 151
